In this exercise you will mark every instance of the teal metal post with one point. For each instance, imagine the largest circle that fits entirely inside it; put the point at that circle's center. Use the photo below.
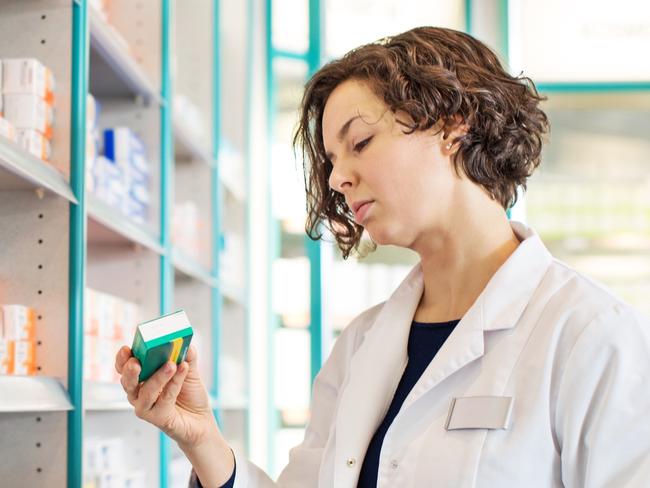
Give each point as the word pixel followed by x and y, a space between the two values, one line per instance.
pixel 593 87
pixel 216 206
pixel 77 258
pixel 166 197
pixel 468 16
pixel 313 248
pixel 504 47
pixel 504 31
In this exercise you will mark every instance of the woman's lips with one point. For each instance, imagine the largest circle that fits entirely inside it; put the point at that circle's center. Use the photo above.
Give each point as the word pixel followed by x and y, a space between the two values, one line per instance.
pixel 361 212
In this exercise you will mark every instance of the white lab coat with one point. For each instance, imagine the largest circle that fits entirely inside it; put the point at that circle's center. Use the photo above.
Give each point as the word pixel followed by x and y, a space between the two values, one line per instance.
pixel 575 358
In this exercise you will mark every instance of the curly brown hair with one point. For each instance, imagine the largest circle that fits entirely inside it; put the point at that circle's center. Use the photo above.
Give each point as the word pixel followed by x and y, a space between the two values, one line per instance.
pixel 435 75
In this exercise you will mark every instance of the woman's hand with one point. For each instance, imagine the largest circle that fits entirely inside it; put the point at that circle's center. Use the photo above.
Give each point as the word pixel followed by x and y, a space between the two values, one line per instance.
pixel 173 399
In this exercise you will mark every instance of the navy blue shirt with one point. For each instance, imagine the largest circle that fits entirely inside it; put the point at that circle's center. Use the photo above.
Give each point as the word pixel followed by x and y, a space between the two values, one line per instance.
pixel 425 339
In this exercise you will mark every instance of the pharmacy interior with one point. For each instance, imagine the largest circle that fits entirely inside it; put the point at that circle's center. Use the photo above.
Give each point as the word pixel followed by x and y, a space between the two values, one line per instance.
pixel 146 166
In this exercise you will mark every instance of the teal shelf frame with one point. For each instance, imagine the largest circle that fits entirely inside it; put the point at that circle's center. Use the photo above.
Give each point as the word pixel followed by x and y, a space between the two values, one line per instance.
pixel 77 258
pixel 166 199
pixel 314 248
pixel 78 221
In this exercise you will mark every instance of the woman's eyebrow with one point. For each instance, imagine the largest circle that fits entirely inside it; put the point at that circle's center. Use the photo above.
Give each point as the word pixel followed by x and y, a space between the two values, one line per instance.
pixel 342 132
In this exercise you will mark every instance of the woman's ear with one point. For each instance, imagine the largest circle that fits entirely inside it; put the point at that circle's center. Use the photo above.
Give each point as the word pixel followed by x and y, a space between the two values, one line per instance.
pixel 453 130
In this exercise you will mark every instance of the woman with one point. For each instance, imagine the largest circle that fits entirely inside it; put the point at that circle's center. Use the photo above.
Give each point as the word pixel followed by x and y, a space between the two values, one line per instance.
pixel 492 364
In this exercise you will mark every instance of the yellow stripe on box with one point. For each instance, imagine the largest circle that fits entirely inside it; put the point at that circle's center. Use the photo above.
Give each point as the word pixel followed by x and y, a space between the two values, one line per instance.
pixel 176 349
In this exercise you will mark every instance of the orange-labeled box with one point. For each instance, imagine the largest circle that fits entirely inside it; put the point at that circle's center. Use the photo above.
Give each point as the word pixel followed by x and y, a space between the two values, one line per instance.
pixel 24 358
pixel 18 322
pixel 35 143
pixel 28 76
pixel 7 129
pixel 6 356
pixel 29 112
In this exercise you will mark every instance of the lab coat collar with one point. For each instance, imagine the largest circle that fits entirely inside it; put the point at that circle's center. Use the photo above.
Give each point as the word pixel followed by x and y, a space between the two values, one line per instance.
pixel 378 364
pixel 506 295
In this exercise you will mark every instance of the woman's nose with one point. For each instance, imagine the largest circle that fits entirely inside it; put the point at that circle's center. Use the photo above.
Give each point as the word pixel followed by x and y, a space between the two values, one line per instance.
pixel 340 178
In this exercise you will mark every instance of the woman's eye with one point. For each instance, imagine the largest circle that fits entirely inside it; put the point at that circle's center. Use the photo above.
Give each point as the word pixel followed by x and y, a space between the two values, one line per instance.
pixel 358 147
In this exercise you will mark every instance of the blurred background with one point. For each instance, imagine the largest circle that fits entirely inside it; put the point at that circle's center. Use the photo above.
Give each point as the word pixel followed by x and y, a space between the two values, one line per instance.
pixel 168 181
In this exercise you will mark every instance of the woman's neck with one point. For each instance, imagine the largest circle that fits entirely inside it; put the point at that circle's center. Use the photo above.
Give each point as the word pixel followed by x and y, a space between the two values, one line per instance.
pixel 458 265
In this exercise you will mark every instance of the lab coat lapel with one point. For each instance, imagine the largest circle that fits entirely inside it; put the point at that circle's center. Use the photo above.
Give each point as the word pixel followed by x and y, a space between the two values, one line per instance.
pixel 498 307
pixel 375 371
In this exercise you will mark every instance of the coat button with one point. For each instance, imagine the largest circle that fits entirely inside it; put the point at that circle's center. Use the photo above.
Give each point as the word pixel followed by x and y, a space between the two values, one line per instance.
pixel 351 462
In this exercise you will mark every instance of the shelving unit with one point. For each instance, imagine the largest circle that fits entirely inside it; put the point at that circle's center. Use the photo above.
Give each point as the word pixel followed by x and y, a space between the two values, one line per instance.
pixel 60 239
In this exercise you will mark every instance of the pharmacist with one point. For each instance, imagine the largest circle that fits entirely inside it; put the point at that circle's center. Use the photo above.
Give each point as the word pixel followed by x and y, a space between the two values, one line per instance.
pixel 492 364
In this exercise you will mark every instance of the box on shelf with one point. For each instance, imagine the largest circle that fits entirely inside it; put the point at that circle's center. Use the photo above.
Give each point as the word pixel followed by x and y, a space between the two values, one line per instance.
pixel 122 145
pixel 121 176
pixel 6 356
pixel 26 111
pixel 17 343
pixel 7 129
pixel 106 465
pixel 108 182
pixel 18 322
pixel 35 143
pixel 28 76
pixel 109 323
pixel 24 357
pixel 93 109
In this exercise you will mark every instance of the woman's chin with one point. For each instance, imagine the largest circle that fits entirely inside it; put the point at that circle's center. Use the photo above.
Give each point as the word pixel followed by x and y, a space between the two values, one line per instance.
pixel 383 236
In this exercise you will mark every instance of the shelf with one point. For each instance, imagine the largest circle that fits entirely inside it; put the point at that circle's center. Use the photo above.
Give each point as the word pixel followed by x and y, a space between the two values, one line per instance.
pixel 100 396
pixel 20 170
pixel 33 394
pixel 114 71
pixel 186 147
pixel 192 269
pixel 116 228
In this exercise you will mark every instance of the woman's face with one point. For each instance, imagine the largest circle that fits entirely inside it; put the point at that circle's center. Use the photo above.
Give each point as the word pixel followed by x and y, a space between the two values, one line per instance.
pixel 408 178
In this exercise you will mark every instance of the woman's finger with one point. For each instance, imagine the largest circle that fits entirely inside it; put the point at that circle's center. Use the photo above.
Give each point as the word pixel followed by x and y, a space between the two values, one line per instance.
pixel 170 393
pixel 192 358
pixel 129 379
pixel 122 356
pixel 150 390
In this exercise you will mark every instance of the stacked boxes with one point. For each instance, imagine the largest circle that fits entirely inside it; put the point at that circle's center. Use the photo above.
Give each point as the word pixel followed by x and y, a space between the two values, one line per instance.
pixel 28 104
pixel 92 140
pixel 110 323
pixel 7 130
pixel 17 340
pixel 105 465
pixel 121 176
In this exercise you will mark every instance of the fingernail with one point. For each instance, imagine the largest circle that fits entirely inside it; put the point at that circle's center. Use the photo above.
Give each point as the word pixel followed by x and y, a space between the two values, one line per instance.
pixel 169 367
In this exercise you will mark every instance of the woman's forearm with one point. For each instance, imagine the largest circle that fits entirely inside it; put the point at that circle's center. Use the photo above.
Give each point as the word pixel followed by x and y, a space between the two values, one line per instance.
pixel 212 460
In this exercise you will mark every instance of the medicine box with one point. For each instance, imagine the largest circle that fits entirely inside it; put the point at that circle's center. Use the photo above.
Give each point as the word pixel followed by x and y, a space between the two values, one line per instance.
pixel 157 341
pixel 29 112
pixel 28 76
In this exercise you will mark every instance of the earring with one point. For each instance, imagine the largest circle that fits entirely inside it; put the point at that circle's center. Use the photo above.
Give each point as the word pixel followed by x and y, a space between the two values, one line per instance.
pixel 448 146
